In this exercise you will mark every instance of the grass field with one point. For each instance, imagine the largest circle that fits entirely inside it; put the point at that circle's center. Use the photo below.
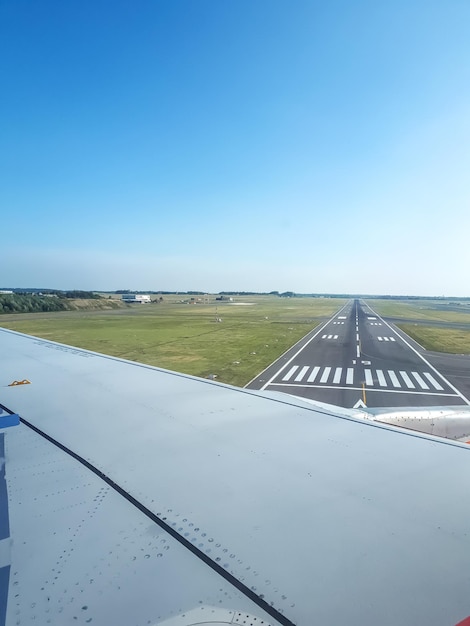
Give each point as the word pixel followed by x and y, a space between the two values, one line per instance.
pixel 453 341
pixel 254 331
pixel 450 340
pixel 431 310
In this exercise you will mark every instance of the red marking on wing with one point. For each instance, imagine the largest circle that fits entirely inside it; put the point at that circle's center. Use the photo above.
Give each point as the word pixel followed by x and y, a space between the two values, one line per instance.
pixel 465 622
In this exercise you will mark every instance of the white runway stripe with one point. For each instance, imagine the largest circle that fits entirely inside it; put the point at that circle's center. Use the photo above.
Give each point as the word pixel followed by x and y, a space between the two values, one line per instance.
pixel 392 338
pixel 335 337
pixel 407 380
pixel 313 374
pixel 433 381
pixel 323 336
pixel 374 378
pixel 421 382
pixel 326 373
pixel 337 376
pixel 290 373
pixel 393 378
pixel 386 339
pixel 381 378
pixel 301 374
pixel 379 338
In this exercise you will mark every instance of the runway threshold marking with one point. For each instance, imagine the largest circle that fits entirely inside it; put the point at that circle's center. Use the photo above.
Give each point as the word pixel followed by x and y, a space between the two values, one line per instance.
pixel 337 376
pixel 394 379
pixel 433 381
pixel 420 381
pixel 381 378
pixel 290 373
pixel 435 370
pixel 313 374
pixel 370 377
pixel 267 383
pixel 407 379
pixel 301 374
pixel 369 390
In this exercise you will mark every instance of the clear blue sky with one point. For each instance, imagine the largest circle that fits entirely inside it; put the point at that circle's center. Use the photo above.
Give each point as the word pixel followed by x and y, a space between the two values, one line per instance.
pixel 236 145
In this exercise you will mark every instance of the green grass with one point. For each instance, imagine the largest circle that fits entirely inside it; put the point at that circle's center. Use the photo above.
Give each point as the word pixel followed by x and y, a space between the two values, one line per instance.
pixel 186 338
pixel 449 340
pixel 426 310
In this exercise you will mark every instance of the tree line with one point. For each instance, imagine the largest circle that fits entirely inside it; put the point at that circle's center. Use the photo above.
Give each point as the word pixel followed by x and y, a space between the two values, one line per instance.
pixel 27 303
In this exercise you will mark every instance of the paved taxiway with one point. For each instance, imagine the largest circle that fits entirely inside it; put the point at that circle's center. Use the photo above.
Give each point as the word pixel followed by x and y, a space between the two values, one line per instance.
pixel 357 357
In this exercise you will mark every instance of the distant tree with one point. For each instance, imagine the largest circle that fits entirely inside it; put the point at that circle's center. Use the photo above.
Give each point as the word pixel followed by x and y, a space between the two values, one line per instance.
pixel 82 295
pixel 27 303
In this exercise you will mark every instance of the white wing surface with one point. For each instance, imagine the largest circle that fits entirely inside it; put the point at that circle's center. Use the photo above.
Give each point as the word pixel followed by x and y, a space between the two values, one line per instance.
pixel 139 496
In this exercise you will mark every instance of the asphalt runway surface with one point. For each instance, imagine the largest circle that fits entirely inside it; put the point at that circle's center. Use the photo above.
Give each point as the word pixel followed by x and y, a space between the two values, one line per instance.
pixel 357 359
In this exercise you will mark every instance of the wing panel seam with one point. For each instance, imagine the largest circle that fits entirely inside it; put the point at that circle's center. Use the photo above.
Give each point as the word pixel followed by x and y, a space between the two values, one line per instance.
pixel 230 578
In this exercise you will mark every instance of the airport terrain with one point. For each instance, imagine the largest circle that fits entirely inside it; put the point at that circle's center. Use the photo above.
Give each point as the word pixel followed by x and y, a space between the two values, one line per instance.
pixel 358 359
pixel 256 331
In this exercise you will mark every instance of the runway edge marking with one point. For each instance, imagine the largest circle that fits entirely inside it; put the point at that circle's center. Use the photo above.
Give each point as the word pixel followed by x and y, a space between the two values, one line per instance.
pixel 459 393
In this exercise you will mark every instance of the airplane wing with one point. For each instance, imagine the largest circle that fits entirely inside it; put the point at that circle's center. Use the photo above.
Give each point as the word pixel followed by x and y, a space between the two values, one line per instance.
pixel 135 495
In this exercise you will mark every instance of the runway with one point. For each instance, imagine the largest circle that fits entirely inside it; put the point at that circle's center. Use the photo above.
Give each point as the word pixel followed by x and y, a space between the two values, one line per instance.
pixel 357 359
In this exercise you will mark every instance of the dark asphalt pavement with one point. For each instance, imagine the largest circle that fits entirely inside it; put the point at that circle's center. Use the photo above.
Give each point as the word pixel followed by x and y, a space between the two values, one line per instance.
pixel 357 357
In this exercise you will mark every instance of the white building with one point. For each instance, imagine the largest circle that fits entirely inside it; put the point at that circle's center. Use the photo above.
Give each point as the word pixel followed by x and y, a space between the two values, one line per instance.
pixel 135 297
